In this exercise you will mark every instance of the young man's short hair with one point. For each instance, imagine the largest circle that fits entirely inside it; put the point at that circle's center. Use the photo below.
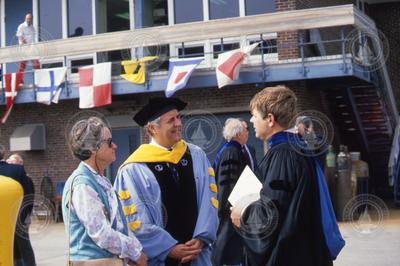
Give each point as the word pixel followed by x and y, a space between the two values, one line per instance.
pixel 279 101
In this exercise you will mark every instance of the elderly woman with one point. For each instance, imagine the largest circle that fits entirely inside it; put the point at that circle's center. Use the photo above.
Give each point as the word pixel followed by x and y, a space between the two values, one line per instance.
pixel 95 224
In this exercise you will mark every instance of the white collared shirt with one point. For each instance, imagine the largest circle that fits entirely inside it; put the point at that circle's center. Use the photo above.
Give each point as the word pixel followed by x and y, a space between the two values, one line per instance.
pixel 154 143
pixel 27 32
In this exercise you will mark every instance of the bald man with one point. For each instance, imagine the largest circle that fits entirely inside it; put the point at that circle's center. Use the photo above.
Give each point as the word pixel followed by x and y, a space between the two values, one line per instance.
pixel 26 35
pixel 15 159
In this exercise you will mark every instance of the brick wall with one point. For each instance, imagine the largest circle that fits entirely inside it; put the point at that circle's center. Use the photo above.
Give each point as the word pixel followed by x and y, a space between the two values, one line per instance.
pixel 303 4
pixel 287 41
pixel 326 34
pixel 57 160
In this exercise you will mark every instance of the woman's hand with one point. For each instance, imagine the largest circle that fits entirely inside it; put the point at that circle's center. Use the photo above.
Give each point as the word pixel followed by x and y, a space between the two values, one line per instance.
pixel 142 261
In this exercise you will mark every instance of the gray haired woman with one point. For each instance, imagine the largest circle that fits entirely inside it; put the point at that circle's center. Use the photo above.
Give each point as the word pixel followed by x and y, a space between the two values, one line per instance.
pixel 95 224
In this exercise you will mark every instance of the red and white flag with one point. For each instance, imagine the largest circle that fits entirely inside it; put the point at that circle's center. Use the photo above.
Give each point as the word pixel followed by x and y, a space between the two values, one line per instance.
pixel 95 85
pixel 12 83
pixel 229 63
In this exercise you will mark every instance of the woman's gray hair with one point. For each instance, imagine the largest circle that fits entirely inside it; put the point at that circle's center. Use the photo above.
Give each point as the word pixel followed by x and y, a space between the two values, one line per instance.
pixel 86 136
pixel 233 127
pixel 155 122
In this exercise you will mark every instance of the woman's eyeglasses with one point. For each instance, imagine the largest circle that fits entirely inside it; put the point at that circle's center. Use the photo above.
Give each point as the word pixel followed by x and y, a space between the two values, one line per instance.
pixel 109 142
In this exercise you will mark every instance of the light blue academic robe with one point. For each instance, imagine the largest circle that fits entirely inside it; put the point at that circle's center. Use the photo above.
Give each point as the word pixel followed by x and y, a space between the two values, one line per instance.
pixel 141 197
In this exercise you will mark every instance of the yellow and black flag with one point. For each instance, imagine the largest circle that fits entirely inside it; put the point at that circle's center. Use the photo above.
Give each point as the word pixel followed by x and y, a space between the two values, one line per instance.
pixel 135 70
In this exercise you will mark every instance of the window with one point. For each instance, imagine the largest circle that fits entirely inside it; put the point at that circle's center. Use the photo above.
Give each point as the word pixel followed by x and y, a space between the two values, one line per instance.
pixel 50 20
pixel 268 46
pixel 227 47
pixel 52 65
pixel 188 11
pixel 16 11
pixel 115 57
pixel 149 13
pixel 256 7
pixel 160 64
pixel 76 64
pixel 197 51
pixel 79 18
pixel 112 15
pixel 224 8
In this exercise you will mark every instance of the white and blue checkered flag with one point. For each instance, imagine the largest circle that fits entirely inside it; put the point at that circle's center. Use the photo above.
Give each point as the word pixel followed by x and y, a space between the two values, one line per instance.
pixel 49 84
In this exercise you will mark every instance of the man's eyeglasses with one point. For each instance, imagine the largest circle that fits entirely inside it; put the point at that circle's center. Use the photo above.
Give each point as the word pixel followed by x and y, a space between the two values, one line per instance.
pixel 108 141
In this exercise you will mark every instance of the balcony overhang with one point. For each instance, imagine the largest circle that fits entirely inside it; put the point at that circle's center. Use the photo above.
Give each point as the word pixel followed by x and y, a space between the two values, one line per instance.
pixel 214 29
pixel 283 72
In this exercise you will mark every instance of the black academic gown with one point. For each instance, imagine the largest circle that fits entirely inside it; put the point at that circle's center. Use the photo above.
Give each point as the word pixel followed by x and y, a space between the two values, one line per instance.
pixel 228 248
pixel 290 234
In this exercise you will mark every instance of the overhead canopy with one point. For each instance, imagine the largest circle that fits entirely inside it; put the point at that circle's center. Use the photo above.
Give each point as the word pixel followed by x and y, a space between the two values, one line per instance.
pixel 28 137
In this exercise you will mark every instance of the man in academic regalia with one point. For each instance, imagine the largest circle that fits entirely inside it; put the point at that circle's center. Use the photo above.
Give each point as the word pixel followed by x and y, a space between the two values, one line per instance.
pixel 168 190
pixel 230 162
pixel 292 224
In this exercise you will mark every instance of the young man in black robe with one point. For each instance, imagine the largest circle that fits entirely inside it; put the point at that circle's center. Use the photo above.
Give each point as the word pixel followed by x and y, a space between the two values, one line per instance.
pixel 292 223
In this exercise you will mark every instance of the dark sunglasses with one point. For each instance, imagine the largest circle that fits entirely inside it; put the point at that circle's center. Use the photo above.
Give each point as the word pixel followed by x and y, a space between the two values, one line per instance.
pixel 109 142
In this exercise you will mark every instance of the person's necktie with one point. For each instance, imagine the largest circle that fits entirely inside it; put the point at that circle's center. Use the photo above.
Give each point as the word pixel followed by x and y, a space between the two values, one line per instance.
pixel 246 156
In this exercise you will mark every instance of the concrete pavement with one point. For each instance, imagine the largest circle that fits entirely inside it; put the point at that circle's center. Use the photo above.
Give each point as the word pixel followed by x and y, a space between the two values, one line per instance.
pixel 380 249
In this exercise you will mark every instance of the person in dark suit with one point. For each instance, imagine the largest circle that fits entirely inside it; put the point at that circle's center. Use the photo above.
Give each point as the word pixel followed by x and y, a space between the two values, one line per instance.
pixel 230 162
pixel 23 252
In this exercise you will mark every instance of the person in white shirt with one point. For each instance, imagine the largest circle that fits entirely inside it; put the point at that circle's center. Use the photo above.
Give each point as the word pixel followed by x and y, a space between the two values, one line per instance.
pixel 26 35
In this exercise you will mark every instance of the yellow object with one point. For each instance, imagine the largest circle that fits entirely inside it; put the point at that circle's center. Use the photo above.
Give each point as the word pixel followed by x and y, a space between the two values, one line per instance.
pixel 135 225
pixel 213 188
pixel 129 210
pixel 135 70
pixel 211 171
pixel 214 202
pixel 124 194
pixel 11 194
pixel 148 153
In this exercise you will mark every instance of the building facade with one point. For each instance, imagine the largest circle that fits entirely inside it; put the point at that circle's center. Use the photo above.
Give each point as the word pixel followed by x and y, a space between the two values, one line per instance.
pixel 326 51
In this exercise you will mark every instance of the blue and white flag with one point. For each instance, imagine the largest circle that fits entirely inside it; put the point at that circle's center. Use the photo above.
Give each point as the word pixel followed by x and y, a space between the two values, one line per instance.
pixel 179 73
pixel 49 84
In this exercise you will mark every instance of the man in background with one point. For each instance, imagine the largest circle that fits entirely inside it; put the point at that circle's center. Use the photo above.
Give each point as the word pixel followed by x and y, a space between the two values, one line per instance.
pixel 23 252
pixel 26 35
pixel 230 162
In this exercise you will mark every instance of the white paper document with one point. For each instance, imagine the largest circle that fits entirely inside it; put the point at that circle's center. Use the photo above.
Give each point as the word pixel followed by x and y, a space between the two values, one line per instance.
pixel 246 186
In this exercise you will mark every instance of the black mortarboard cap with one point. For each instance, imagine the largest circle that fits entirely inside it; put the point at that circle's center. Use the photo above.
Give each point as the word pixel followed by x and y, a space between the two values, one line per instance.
pixel 156 108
